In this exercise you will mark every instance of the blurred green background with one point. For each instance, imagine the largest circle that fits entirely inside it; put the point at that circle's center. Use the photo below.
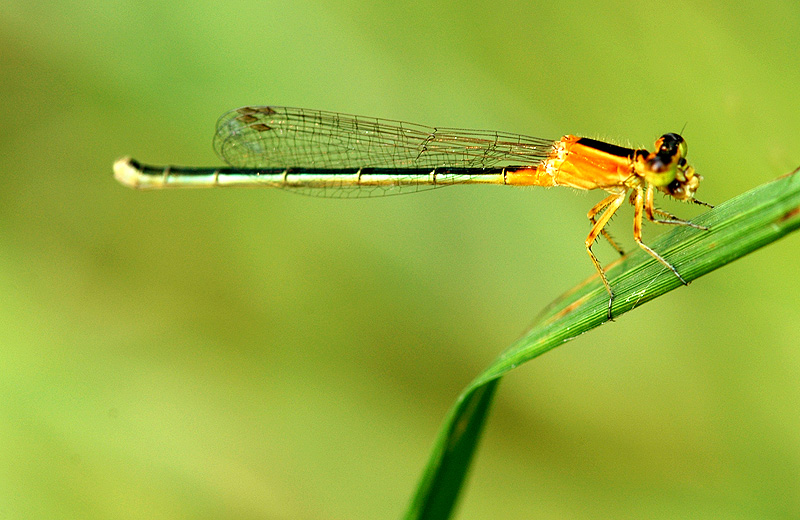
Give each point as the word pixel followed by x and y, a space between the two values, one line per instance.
pixel 252 354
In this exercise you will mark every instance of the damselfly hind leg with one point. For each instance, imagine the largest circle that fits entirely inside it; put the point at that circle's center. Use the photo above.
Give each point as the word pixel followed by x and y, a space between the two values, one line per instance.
pixel 593 213
pixel 611 205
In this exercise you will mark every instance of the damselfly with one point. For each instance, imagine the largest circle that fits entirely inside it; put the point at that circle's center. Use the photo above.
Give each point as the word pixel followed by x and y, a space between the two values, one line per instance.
pixel 340 155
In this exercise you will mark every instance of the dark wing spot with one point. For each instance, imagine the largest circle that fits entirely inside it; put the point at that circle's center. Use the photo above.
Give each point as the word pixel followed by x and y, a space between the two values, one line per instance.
pixel 267 111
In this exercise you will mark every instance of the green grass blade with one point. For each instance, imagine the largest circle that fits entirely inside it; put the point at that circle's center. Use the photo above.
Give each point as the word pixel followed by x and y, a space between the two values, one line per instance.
pixel 737 227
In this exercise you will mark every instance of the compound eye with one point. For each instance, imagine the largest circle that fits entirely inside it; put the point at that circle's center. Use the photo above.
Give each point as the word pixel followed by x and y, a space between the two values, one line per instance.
pixel 683 148
pixel 669 144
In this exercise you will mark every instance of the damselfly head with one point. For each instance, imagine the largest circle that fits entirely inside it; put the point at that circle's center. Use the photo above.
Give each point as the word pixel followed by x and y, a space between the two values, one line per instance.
pixel 667 169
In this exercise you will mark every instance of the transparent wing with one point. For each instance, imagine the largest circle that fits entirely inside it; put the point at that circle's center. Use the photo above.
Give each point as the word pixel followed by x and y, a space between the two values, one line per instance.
pixel 283 137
